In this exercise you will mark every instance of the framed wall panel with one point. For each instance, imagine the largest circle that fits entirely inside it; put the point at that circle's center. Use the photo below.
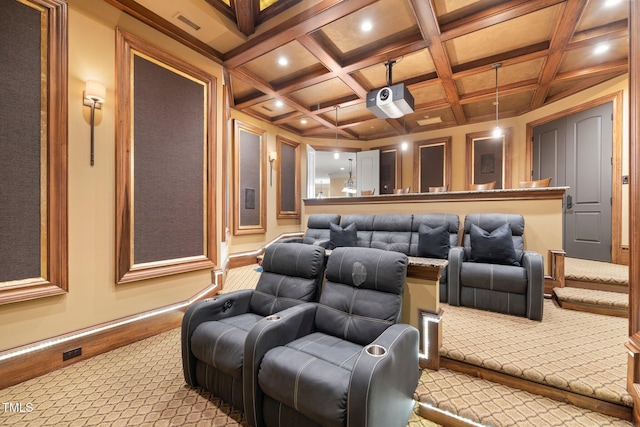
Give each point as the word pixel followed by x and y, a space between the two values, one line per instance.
pixel 431 164
pixel 390 169
pixel 165 160
pixel 288 190
pixel 249 152
pixel 488 159
pixel 33 150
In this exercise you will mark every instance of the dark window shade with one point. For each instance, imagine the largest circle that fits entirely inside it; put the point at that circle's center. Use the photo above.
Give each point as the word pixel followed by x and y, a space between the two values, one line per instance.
pixel 431 166
pixel 288 178
pixel 387 172
pixel 168 151
pixel 487 161
pixel 20 142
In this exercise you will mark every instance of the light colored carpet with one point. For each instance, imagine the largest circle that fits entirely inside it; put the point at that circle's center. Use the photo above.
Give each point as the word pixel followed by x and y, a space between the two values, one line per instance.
pixel 596 271
pixel 492 404
pixel 571 350
pixel 592 297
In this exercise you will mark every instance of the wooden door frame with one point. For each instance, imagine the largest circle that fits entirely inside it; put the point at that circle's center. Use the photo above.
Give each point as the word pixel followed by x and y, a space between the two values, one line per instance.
pixel 619 253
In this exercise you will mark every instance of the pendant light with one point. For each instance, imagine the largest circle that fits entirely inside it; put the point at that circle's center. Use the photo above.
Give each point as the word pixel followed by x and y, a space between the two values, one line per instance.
pixel 348 186
pixel 497 132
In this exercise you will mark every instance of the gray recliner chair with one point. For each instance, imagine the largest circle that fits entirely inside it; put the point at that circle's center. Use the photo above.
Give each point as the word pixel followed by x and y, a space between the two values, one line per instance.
pixel 493 271
pixel 344 361
pixel 214 330
pixel 318 230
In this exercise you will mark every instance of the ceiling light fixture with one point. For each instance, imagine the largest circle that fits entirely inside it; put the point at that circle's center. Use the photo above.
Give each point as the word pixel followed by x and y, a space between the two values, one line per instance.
pixel 303 121
pixel 283 61
pixel 336 154
pixel 497 132
pixel 279 103
pixel 366 26
pixel 601 48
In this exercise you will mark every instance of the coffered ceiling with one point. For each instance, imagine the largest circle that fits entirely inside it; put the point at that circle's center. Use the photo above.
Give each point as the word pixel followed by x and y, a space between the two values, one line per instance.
pixel 307 57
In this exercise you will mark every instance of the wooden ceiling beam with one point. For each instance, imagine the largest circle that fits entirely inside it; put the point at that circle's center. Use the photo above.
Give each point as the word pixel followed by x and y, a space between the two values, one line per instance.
pixel 328 61
pixel 428 24
pixel 305 22
pixel 621 65
pixel 600 34
pixel 513 88
pixel 492 16
pixel 246 13
pixel 559 40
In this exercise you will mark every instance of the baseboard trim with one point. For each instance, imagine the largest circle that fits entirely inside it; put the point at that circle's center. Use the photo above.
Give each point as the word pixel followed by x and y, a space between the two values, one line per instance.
pixel 579 400
pixel 33 360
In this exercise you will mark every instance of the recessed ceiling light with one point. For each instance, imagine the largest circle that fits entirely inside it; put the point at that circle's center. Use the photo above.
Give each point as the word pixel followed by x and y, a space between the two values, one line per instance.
pixel 303 121
pixel 366 26
pixel 279 103
pixel 601 48
pixel 283 61
pixel 610 3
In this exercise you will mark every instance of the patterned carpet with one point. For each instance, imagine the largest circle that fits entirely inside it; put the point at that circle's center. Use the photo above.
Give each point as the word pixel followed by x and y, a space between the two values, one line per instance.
pixel 592 297
pixel 142 384
pixel 595 271
pixel 552 352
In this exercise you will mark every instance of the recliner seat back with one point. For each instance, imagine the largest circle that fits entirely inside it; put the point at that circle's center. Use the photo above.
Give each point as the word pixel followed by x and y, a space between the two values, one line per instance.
pixel 360 298
pixel 318 227
pixel 288 278
pixel 489 222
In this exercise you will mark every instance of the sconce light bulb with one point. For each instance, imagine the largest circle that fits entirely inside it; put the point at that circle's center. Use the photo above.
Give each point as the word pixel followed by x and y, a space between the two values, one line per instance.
pixel 404 146
pixel 497 132
pixel 336 155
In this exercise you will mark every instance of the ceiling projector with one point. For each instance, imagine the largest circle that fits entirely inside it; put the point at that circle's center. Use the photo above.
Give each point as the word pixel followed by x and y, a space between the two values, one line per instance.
pixel 390 102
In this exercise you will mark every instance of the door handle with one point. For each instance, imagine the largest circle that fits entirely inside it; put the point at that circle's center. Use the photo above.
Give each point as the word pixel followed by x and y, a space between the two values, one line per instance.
pixel 569 201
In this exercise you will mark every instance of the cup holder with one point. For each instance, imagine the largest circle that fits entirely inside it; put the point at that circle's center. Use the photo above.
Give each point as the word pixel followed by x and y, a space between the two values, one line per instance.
pixel 210 299
pixel 376 350
pixel 273 318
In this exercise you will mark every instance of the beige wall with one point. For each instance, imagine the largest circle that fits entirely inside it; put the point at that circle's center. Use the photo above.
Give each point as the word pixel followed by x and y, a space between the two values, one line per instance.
pixel 93 296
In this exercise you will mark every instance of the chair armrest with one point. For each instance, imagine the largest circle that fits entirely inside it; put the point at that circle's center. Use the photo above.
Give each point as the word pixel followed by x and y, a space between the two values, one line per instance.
pixel 456 258
pixel 382 387
pixel 216 308
pixel 533 262
pixel 291 240
pixel 293 323
pixel 322 243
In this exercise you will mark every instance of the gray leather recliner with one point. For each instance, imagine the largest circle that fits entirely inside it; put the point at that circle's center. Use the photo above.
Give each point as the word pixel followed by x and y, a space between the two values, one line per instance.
pixel 214 330
pixel 344 361
pixel 318 230
pixel 514 287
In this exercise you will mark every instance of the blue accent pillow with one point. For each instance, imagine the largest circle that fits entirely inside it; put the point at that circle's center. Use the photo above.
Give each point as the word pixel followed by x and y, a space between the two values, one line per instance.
pixel 433 242
pixel 339 237
pixel 495 247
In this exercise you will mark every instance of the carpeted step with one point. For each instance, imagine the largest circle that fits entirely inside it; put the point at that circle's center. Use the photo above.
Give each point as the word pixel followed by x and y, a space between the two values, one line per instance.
pixel 593 301
pixel 604 276
pixel 446 394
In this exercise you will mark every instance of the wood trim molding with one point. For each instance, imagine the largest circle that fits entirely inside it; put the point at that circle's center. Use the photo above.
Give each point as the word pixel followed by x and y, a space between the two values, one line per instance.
pixel 556 267
pixel 511 194
pixel 46 356
pixel 506 156
pixel 126 270
pixel 280 142
pixel 56 271
pixel 417 166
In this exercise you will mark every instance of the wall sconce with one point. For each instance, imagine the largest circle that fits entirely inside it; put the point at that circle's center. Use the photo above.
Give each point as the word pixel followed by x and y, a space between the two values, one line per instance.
pixel 273 156
pixel 94 94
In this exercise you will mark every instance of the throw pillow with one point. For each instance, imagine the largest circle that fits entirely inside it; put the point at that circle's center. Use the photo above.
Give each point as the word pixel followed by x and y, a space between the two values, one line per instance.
pixel 339 237
pixel 433 242
pixel 495 247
